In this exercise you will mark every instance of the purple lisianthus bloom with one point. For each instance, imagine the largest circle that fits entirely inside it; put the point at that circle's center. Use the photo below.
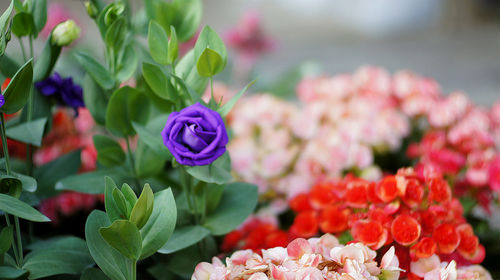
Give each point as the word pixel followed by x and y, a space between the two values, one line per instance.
pixel 2 100
pixel 195 136
pixel 66 92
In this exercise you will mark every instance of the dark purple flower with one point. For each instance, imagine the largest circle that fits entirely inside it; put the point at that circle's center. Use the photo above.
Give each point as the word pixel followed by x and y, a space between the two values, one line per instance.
pixel 2 100
pixel 195 136
pixel 66 92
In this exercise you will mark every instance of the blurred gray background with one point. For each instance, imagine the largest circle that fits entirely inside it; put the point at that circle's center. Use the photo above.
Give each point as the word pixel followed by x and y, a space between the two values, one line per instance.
pixel 457 42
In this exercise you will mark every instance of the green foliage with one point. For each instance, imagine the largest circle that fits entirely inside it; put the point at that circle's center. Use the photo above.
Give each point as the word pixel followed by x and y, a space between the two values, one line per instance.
pixel 158 43
pixel 158 81
pixel 4 28
pixel 91 182
pixel 95 99
pixel 18 208
pixel 184 237
pixel 18 91
pixel 23 24
pixel 111 262
pixel 125 237
pixel 39 12
pixel 8 272
pixel 143 207
pixel 237 203
pixel 28 132
pixel 226 108
pixel 186 69
pixel 217 172
pixel 47 60
pixel 210 53
pixel 95 70
pixel 67 255
pixel 149 135
pixel 6 238
pixel 109 152
pixel 173 46
pixel 125 106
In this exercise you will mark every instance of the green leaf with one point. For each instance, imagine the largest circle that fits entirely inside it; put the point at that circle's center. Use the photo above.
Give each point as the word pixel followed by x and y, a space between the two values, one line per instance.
pixel 95 70
pixel 6 237
pixel 184 237
pixel 95 99
pixel 23 24
pixel 4 18
pixel 90 182
pixel 48 174
pixel 158 42
pixel 111 262
pixel 47 60
pixel 143 207
pixel 147 162
pixel 184 15
pixel 8 66
pixel 209 63
pixel 127 64
pixel 152 138
pixel 124 237
pixel 18 91
pixel 213 195
pixel 39 12
pixel 237 203
pixel 109 152
pixel 226 108
pixel 173 46
pixel 160 225
pixel 115 35
pixel 157 80
pixel 121 203
pixel 28 132
pixel 8 272
pixel 91 273
pixel 11 185
pixel 126 105
pixel 210 53
pixel 217 172
pixel 68 255
pixel 129 195
pixel 186 69
pixel 112 209
pixel 18 208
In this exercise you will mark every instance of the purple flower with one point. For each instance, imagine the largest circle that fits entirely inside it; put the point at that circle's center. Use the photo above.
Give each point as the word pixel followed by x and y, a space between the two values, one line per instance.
pixel 195 136
pixel 66 92
pixel 2 100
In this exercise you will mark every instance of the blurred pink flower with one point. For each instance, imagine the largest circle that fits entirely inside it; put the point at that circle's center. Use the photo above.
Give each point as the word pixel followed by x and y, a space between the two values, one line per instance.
pixel 57 12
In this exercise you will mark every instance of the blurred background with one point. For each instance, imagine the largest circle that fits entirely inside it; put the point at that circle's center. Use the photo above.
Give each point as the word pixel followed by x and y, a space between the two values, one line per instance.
pixel 457 42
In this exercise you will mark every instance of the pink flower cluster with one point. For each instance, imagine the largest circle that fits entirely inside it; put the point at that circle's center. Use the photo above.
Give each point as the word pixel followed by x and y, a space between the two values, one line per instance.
pixel 433 269
pixel 313 259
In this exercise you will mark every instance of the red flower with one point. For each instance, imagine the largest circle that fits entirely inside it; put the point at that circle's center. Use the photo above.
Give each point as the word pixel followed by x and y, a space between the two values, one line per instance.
pixel 356 194
pixel 370 233
pixel 405 229
pixel 333 219
pixel 387 189
pixel 414 193
pixel 300 203
pixel 424 248
pixel 447 238
pixel 439 190
pixel 305 225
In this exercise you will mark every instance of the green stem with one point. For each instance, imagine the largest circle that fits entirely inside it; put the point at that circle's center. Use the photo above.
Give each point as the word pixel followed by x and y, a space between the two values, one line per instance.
pixel 14 247
pixel 132 164
pixel 4 144
pixel 173 68
pixel 212 89
pixel 29 117
pixel 19 240
pixel 132 269
pixel 23 51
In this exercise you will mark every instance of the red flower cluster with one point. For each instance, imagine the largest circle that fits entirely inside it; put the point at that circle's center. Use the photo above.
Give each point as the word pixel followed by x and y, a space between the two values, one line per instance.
pixel 413 211
pixel 69 203
pixel 255 234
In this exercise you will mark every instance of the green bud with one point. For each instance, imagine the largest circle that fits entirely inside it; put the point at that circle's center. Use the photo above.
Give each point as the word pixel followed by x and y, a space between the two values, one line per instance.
pixel 65 33
pixel 113 13
pixel 92 10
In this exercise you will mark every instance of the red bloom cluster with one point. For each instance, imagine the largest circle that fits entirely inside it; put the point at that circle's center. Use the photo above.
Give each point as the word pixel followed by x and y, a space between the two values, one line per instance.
pixel 255 234
pixel 413 211
pixel 69 203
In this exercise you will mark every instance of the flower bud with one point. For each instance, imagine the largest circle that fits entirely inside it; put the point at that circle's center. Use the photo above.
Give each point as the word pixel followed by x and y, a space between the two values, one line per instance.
pixel 65 33
pixel 92 10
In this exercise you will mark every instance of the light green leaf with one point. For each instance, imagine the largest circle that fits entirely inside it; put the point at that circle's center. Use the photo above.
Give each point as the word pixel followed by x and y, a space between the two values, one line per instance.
pixel 111 262
pixel 143 207
pixel 129 195
pixel 112 209
pixel 226 108
pixel 184 237
pixel 121 203
pixel 39 12
pixel 28 132
pixel 153 139
pixel 109 152
pixel 126 105
pixel 68 255
pixel 18 208
pixel 95 99
pixel 157 80
pixel 4 18
pixel 18 91
pixel 127 64
pixel 209 63
pixel 237 203
pixel 147 162
pixel 95 70
pixel 124 237
pixel 115 35
pixel 160 225
pixel 23 24
pixel 90 182
pixel 47 60
pixel 186 69
pixel 173 46
pixel 217 172
pixel 158 42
